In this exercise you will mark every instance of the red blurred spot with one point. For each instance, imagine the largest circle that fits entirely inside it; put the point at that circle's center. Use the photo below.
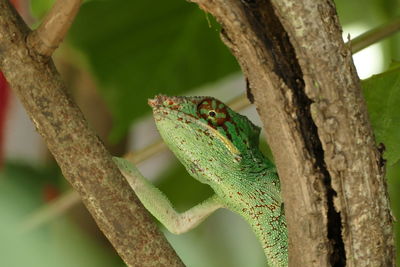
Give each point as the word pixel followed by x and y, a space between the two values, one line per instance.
pixel 4 95
pixel 50 192
pixel 16 4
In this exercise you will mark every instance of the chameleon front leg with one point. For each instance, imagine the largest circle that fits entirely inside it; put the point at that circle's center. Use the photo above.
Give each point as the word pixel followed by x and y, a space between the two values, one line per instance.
pixel 160 206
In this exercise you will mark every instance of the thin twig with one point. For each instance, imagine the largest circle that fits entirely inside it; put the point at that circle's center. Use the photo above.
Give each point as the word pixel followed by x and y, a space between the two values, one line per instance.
pixel 57 207
pixel 145 153
pixel 51 32
pixel 375 35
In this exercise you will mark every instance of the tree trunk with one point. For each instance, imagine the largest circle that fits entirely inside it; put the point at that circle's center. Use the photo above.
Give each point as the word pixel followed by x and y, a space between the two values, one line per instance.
pixel 303 82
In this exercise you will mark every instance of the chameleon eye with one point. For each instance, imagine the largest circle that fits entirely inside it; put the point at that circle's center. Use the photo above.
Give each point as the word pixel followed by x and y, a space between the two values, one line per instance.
pixel 213 110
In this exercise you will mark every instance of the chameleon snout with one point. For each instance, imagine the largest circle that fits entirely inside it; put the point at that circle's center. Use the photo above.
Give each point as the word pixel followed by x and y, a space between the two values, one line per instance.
pixel 171 102
pixel 155 102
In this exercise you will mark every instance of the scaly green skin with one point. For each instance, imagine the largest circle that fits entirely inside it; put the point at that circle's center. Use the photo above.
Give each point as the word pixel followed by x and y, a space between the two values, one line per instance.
pixel 219 147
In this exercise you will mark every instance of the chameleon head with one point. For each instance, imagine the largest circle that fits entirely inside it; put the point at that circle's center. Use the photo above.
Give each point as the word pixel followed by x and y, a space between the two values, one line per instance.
pixel 204 133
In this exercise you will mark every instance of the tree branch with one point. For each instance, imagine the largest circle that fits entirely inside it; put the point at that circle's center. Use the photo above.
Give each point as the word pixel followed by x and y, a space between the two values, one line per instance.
pixel 303 82
pixel 51 32
pixel 81 155
pixel 370 37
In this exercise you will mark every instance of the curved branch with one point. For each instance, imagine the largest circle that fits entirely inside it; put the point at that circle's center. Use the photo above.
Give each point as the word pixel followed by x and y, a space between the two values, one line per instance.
pixel 370 37
pixel 83 159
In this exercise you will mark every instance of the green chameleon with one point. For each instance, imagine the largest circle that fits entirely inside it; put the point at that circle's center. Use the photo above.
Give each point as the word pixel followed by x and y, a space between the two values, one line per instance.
pixel 218 147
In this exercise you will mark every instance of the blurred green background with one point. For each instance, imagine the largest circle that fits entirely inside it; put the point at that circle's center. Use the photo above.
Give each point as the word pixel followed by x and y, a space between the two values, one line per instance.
pixel 117 55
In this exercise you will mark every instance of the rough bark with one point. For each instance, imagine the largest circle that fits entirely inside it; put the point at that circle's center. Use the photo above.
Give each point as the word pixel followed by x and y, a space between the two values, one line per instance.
pixel 81 155
pixel 302 79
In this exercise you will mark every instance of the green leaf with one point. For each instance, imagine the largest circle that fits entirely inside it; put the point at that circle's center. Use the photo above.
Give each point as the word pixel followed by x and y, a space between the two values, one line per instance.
pixel 349 11
pixel 374 12
pixel 40 7
pixel 382 93
pixel 137 49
